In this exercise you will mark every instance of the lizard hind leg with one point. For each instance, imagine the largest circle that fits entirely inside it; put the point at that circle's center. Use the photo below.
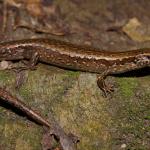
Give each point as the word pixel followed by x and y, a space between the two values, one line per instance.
pixel 106 89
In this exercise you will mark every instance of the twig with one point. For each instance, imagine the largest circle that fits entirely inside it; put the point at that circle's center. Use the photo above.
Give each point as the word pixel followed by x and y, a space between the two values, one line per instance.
pixel 66 141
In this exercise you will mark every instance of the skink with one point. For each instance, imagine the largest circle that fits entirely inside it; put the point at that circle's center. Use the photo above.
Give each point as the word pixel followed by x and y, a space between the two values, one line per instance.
pixel 75 57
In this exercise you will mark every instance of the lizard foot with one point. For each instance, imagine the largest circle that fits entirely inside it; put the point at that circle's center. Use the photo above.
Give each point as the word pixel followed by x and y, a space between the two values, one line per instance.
pixel 107 89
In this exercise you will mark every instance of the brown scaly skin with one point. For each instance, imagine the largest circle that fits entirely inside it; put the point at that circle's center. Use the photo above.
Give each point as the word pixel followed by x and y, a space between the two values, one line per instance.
pixel 75 57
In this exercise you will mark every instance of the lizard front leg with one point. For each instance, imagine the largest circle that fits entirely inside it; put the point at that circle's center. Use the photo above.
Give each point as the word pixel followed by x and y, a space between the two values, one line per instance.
pixel 31 63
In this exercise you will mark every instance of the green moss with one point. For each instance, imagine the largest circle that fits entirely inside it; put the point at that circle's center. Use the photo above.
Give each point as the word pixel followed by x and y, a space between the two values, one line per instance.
pixel 17 135
pixel 25 92
pixel 127 86
pixel 32 137
pixel 72 73
pixel 2 122
pixel 6 77
pixel 148 116
pixel 132 113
